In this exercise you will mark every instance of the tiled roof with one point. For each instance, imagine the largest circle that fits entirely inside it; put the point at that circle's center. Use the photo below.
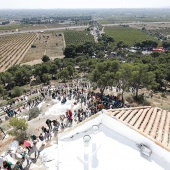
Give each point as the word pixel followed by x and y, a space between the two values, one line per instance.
pixel 152 122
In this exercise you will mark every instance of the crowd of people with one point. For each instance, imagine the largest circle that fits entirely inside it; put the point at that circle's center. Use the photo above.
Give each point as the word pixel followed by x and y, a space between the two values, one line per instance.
pixel 81 94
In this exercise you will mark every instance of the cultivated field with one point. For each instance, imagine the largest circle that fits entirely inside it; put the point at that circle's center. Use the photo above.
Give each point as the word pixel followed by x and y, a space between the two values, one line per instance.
pixel 13 49
pixel 151 25
pixel 77 37
pixel 50 44
pixel 128 35
pixel 20 27
pixel 123 18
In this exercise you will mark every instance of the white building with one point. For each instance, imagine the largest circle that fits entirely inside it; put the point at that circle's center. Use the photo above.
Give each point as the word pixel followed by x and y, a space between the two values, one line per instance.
pixel 115 142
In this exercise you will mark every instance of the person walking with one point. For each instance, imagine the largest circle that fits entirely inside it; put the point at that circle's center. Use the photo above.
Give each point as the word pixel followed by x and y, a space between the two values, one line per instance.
pixel 18 166
pixel 35 149
pixel 27 144
pixel 7 165
pixel 41 137
pixel 48 122
pixel 47 135
pixel 21 153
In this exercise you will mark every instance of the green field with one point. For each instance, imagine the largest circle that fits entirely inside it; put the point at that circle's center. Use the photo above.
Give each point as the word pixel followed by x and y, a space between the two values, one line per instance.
pixel 77 37
pixel 13 27
pixel 128 35
pixel 105 21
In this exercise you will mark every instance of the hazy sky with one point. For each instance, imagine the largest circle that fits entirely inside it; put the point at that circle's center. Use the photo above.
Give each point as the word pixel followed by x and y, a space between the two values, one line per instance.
pixel 46 4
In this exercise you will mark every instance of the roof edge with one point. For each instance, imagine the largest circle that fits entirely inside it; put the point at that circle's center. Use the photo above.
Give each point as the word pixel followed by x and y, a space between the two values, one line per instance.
pixel 142 133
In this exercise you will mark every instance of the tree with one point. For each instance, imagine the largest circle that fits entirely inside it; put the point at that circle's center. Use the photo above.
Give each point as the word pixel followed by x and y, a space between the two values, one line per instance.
pixel 22 76
pixel 70 70
pixel 63 74
pixel 45 58
pixel 19 126
pixel 45 78
pixel 100 54
pixel 123 76
pixel 57 62
pixel 146 44
pixel 106 39
pixel 87 47
pixel 121 44
pixel 2 90
pixel 79 48
pixel 142 77
pixel 166 44
pixel 70 51
pixel 84 66
pixel 155 54
pixel 53 69
pixel 104 74
pixel 161 71
pixel 40 69
pixel 149 44
pixel 16 92
pixel 7 80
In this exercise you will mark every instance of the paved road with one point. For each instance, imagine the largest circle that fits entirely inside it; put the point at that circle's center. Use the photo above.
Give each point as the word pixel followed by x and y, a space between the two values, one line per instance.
pixel 46 29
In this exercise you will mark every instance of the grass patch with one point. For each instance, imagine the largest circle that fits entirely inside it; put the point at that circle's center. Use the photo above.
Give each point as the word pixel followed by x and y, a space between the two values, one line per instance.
pixel 128 35
pixel 77 37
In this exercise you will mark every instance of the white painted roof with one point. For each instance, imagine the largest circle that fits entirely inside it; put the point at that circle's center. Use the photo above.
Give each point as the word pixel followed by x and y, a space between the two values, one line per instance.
pixel 115 146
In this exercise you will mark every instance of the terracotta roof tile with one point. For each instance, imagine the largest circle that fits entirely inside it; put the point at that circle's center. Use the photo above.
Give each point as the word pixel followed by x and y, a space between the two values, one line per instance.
pixel 153 123
pixel 145 120
pixel 161 127
pixel 141 118
pixel 166 130
pixel 135 118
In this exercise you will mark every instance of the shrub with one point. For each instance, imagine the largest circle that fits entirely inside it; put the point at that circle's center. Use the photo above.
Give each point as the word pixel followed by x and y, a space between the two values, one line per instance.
pixel 35 82
pixel 139 98
pixel 45 58
pixel 163 95
pixel 16 92
pixel 19 126
pixel 33 113
pixel 33 46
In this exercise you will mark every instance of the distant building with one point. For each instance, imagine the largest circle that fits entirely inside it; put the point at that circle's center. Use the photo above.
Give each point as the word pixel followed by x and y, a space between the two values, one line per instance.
pixel 159 49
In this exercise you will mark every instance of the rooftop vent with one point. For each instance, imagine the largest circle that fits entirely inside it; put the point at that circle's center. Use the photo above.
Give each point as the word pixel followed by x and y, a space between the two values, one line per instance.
pixel 145 150
pixel 86 140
